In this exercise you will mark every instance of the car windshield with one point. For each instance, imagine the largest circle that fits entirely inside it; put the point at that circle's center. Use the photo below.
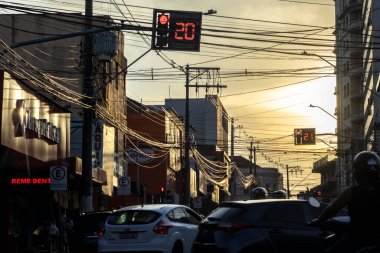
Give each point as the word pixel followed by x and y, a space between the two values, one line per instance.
pixel 130 217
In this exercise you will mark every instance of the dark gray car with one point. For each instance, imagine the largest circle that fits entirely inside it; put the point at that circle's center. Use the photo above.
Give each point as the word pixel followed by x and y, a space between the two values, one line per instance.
pixel 270 225
pixel 87 229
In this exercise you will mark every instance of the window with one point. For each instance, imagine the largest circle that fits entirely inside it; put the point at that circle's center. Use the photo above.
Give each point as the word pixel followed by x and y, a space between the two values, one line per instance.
pixel 193 217
pixel 178 215
pixel 133 217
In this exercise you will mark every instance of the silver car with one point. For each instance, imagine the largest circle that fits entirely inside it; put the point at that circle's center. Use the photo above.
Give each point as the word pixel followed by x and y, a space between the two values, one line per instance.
pixel 163 228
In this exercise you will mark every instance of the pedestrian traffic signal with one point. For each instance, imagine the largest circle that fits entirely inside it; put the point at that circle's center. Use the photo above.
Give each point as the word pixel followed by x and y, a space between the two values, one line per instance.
pixel 176 30
pixel 162 30
pixel 304 136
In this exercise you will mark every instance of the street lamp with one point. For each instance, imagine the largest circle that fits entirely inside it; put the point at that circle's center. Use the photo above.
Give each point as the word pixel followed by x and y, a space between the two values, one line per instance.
pixel 316 106
pixel 320 57
pixel 210 12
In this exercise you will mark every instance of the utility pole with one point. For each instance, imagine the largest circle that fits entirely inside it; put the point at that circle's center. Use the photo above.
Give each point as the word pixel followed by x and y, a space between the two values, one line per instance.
pixel 250 167
pixel 287 181
pixel 254 161
pixel 250 157
pixel 200 71
pixel 187 142
pixel 233 181
pixel 88 113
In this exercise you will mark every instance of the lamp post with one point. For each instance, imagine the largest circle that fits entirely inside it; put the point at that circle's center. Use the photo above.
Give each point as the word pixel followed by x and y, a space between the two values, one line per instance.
pixel 210 12
pixel 316 106
pixel 320 57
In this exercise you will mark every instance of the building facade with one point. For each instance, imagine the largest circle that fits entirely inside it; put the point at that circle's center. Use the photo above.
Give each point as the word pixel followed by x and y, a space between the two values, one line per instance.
pixel 155 165
pixel 349 86
pixel 371 68
pixel 208 120
pixel 328 187
pixel 37 175
pixel 270 178
pixel 209 127
pixel 61 62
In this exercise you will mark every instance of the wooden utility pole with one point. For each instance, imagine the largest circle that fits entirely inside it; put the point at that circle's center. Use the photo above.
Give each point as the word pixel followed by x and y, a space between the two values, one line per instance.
pixel 233 177
pixel 287 181
pixel 200 71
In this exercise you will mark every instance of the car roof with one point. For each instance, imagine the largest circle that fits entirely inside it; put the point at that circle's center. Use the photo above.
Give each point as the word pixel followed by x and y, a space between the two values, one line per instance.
pixel 162 208
pixel 259 201
pixel 96 213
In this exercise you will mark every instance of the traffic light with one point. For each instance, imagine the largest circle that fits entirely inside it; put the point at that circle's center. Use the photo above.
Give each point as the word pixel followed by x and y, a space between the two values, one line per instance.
pixel 176 30
pixel 162 194
pixel 162 30
pixel 317 194
pixel 304 136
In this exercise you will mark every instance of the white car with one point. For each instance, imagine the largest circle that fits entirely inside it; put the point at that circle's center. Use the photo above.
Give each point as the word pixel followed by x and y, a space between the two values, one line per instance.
pixel 165 228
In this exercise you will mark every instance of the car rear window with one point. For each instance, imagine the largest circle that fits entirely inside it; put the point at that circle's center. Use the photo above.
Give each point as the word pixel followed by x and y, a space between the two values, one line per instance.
pixel 133 217
pixel 225 212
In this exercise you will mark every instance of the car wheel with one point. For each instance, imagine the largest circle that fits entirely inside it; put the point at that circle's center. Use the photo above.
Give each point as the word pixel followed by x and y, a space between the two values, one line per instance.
pixel 178 248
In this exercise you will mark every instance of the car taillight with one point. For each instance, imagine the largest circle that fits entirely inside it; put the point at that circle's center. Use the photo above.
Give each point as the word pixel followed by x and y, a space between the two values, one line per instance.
pixel 232 228
pixel 101 231
pixel 162 228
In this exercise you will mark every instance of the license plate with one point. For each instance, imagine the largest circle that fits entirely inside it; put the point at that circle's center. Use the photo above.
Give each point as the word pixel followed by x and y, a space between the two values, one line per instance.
pixel 128 235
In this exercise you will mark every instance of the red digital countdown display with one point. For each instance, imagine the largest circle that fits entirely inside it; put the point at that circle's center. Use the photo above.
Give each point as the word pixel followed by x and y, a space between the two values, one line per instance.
pixel 176 30
pixel 304 136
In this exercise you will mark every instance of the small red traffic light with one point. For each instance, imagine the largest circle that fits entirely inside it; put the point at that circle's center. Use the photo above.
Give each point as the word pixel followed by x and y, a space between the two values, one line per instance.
pixel 163 19
pixel 162 189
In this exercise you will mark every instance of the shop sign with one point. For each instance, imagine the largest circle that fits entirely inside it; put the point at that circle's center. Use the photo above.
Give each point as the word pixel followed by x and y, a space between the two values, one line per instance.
pixel 140 156
pixel 41 127
pixel 202 183
pixel 97 148
pixel 23 181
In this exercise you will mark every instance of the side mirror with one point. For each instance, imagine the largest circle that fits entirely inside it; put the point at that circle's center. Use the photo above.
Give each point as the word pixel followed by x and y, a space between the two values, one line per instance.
pixel 314 202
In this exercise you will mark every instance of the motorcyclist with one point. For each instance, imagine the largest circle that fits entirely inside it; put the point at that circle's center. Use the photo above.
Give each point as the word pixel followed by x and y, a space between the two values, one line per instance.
pixel 279 194
pixel 363 203
pixel 259 193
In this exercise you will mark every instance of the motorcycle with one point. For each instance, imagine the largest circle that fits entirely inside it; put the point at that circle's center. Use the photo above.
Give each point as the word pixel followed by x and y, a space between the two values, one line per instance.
pixel 335 229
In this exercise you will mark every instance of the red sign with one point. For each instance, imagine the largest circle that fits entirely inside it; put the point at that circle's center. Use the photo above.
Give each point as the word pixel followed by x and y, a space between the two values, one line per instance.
pixel 19 181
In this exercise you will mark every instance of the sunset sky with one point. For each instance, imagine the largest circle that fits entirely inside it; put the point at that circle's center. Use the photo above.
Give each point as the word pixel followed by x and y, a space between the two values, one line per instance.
pixel 272 103
pixel 257 46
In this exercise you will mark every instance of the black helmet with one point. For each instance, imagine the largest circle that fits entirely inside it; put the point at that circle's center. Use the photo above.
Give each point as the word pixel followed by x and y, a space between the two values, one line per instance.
pixel 366 168
pixel 259 193
pixel 280 194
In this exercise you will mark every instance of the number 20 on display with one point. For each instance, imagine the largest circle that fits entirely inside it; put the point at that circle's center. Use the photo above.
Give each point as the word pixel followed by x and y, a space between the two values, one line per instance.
pixel 184 31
